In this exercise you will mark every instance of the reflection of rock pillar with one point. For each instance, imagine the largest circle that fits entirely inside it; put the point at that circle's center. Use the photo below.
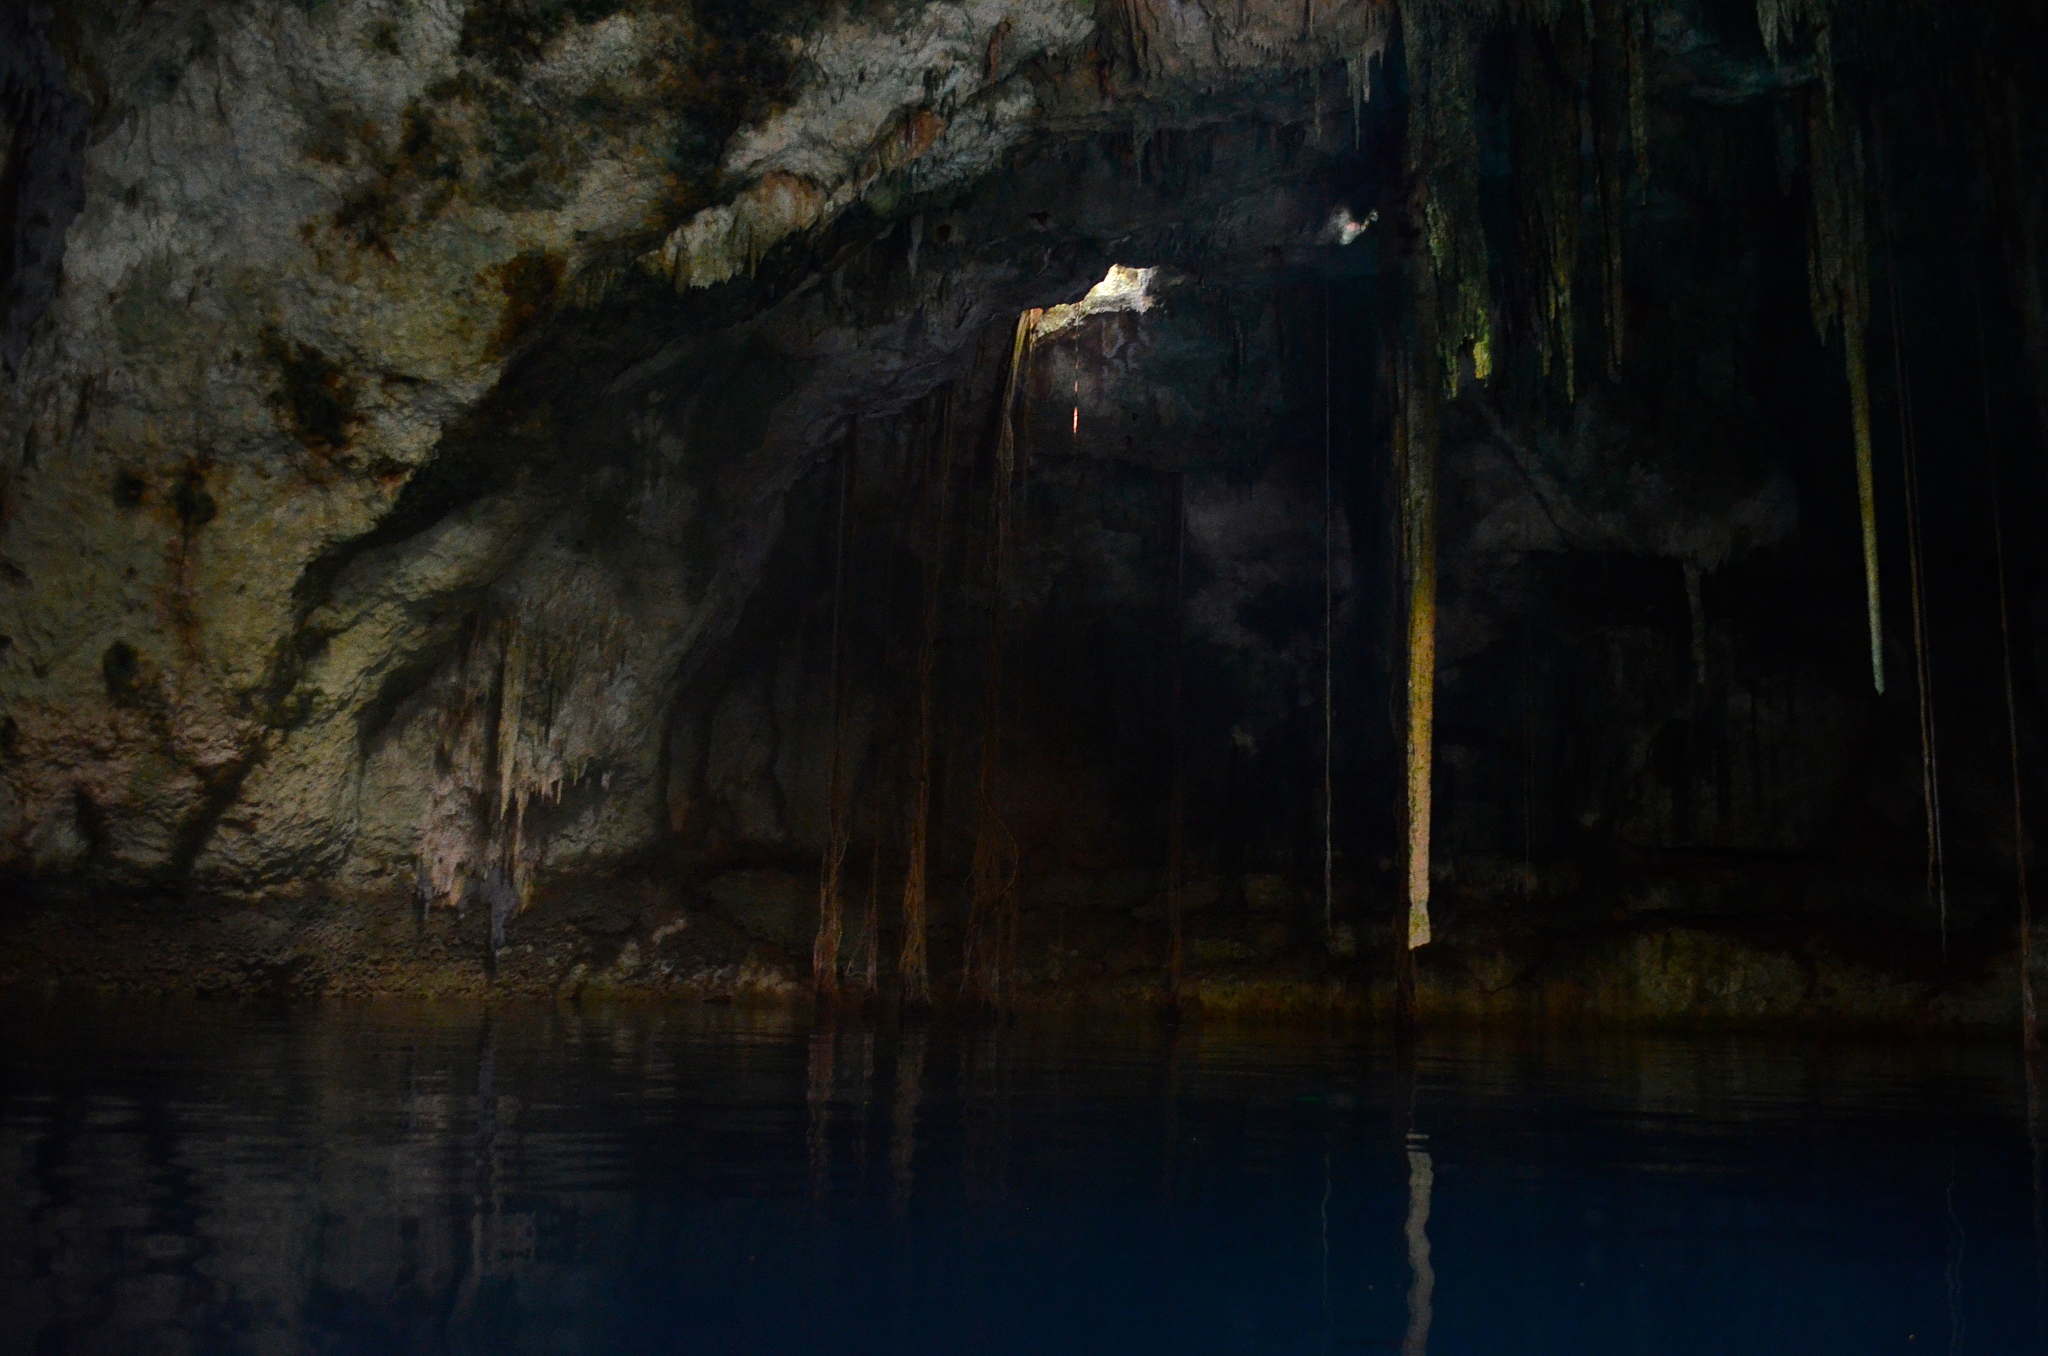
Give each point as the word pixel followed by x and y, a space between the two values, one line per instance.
pixel 1422 1280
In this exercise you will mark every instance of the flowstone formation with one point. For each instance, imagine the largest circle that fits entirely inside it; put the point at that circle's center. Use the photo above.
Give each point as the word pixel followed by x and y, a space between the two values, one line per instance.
pixel 1023 497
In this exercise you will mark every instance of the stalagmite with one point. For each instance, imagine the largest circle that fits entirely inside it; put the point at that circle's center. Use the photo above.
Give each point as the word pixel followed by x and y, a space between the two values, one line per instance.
pixel 994 868
pixel 825 949
pixel 913 968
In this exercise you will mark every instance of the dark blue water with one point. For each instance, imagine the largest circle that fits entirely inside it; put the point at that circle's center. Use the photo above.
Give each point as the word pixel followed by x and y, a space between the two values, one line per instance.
pixel 386 1179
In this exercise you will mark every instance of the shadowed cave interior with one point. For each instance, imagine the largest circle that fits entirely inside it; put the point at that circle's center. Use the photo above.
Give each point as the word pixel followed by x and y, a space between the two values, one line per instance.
pixel 1025 535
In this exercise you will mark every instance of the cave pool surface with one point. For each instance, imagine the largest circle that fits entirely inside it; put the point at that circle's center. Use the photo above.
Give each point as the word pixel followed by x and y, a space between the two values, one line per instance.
pixel 189 1177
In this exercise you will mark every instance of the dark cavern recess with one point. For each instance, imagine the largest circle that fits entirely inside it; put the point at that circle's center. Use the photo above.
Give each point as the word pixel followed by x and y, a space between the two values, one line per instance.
pixel 1483 505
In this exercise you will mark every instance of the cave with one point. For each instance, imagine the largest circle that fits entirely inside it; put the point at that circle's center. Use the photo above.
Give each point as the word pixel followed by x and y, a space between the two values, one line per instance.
pixel 1154 504
pixel 818 622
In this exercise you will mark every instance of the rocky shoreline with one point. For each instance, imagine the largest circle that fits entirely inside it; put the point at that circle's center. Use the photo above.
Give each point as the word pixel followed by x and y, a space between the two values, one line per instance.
pixel 629 942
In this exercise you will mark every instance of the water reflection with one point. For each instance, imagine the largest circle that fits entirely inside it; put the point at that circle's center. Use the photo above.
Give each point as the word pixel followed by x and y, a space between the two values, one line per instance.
pixel 1422 1277
pixel 383 1179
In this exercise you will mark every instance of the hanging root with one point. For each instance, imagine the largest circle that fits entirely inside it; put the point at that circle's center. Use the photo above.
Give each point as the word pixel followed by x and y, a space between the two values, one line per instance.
pixel 868 965
pixel 1329 656
pixel 991 921
pixel 1176 847
pixel 914 967
pixel 831 922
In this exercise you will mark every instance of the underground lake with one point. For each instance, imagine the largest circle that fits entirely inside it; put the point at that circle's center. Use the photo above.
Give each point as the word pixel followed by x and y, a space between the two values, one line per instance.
pixel 412 1178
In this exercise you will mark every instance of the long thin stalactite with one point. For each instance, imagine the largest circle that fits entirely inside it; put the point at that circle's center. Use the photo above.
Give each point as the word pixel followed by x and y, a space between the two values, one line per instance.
pixel 1176 829
pixel 1329 658
pixel 1838 268
pixel 1916 571
pixel 2030 1034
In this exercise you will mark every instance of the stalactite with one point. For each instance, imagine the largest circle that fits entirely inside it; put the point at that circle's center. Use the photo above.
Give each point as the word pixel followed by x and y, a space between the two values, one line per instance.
pixel 1838 268
pixel 1611 83
pixel 1909 461
pixel 1546 175
pixel 1417 422
pixel 992 874
pixel 1443 39
pixel 1930 776
pixel 1838 265
pixel 1581 75
pixel 530 709
pixel 913 969
pixel 1358 84
pixel 825 949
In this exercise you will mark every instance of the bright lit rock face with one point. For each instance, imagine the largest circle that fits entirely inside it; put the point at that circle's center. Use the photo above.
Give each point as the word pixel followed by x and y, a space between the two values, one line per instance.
pixel 423 423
